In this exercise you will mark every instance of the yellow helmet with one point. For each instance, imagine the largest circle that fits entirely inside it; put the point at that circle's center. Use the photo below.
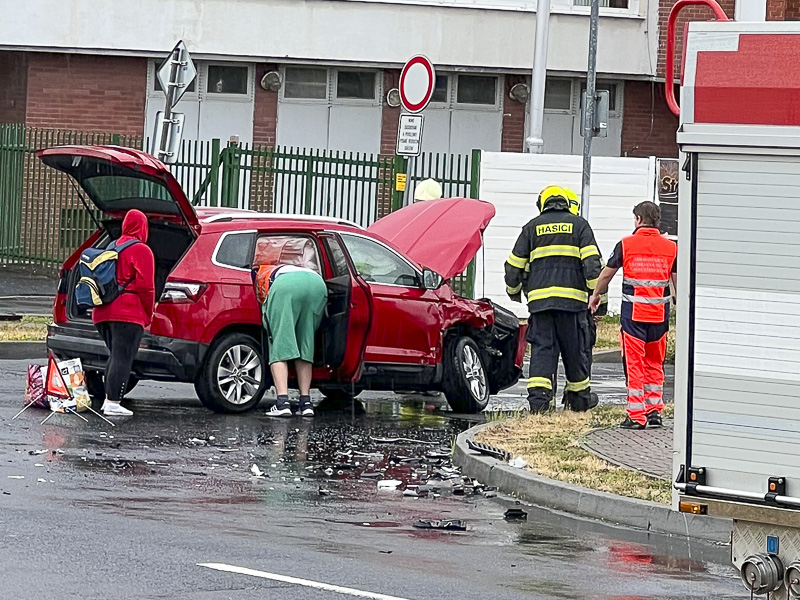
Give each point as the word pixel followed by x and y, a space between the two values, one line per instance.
pixel 550 192
pixel 574 201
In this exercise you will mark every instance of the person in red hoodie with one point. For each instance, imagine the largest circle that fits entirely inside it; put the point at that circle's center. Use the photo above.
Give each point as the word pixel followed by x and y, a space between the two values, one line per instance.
pixel 122 322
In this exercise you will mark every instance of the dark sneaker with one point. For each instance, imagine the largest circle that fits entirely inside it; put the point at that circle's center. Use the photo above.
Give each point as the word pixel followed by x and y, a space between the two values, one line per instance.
pixel 654 420
pixel 629 423
pixel 280 410
pixel 306 408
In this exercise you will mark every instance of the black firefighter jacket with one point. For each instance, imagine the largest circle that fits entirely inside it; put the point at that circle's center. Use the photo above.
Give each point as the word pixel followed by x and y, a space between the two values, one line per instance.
pixel 555 262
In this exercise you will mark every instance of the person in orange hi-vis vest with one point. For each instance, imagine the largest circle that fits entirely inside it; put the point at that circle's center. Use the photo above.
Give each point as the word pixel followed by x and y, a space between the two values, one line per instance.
pixel 647 259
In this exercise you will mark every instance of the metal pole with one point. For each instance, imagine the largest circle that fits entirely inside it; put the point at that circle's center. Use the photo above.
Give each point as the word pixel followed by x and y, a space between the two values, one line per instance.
pixel 588 123
pixel 534 142
pixel 173 74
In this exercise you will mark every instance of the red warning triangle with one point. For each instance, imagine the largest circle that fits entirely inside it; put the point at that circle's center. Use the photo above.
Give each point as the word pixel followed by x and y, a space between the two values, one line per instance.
pixel 56 386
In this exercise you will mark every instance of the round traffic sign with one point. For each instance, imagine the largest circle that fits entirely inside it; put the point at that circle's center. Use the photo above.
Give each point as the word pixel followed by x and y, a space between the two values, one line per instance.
pixel 417 82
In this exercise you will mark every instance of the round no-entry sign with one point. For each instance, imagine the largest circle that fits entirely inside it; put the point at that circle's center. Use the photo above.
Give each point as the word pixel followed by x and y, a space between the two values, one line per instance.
pixel 417 82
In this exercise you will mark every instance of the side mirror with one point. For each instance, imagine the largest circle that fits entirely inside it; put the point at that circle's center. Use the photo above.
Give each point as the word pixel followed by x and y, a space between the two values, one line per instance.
pixel 431 280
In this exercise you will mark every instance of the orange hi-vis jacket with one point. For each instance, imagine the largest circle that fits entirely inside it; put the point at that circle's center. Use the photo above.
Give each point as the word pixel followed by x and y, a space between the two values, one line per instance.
pixel 647 263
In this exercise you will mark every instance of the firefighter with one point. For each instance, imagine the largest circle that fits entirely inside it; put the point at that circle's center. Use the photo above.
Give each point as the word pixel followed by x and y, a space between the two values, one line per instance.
pixel 593 319
pixel 555 260
pixel 647 260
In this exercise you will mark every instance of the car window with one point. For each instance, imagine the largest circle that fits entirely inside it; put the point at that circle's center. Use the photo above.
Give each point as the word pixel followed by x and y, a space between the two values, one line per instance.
pixel 376 263
pixel 297 250
pixel 235 250
pixel 337 257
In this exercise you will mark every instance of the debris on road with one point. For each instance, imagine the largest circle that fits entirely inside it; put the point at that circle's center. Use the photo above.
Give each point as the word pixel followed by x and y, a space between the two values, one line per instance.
pixel 401 440
pixel 16 476
pixel 518 463
pixel 447 525
pixel 256 471
pixel 515 514
pixel 389 484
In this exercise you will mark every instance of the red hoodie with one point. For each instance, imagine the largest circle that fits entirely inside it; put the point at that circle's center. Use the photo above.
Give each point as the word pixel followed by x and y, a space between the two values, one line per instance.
pixel 137 265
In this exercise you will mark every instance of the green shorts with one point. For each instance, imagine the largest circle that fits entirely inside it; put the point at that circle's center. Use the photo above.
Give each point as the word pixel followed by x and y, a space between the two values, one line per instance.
pixel 292 314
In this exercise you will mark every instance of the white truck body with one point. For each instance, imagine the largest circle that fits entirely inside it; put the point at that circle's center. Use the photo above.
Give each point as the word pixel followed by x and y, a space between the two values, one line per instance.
pixel 737 382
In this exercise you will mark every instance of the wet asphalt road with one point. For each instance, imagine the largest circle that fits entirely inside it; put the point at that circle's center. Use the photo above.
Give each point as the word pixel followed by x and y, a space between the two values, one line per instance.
pixel 129 512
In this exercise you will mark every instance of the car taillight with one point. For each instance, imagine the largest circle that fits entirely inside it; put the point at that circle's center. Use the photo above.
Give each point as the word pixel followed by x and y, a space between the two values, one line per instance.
pixel 179 292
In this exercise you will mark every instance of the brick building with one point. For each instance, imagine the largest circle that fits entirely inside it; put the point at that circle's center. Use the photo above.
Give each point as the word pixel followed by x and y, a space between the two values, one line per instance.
pixel 336 61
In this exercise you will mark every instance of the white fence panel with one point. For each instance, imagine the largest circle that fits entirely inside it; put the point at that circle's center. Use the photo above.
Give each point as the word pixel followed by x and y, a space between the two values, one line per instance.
pixel 512 183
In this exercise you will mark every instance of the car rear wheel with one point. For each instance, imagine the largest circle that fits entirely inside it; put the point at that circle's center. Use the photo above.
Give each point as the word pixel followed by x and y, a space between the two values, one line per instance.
pixel 97 387
pixel 466 382
pixel 234 377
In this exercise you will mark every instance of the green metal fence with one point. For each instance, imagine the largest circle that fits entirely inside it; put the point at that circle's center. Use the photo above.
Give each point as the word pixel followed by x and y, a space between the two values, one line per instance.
pixel 41 217
pixel 43 221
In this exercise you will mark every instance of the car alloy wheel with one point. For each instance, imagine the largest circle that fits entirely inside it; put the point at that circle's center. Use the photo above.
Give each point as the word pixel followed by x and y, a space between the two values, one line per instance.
pixel 239 374
pixel 473 372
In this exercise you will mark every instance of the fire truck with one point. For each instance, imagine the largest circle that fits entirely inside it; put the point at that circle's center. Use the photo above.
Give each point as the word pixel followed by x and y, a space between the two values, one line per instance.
pixel 737 383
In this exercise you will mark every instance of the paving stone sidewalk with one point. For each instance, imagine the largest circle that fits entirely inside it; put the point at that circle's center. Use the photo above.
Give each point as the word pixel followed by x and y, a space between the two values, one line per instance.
pixel 648 451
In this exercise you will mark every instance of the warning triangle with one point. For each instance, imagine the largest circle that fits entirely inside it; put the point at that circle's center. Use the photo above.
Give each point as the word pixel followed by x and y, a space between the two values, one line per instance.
pixel 56 386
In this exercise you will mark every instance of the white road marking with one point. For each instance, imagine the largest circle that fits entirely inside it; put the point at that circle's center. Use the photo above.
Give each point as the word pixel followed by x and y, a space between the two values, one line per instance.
pixel 294 580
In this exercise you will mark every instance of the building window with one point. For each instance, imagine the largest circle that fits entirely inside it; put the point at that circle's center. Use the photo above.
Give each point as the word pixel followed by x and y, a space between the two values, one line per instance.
pixel 477 89
pixel 558 94
pixel 306 83
pixel 355 84
pixel 440 90
pixel 223 79
pixel 603 3
pixel 611 88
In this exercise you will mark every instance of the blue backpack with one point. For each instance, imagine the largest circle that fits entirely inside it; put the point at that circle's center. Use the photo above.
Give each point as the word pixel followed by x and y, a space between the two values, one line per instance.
pixel 97 283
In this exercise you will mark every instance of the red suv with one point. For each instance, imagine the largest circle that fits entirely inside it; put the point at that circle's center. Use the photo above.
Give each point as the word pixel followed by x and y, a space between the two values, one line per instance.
pixel 390 325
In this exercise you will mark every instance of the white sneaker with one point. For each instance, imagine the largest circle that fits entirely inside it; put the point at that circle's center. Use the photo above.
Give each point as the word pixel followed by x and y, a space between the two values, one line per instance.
pixel 274 411
pixel 115 409
pixel 307 411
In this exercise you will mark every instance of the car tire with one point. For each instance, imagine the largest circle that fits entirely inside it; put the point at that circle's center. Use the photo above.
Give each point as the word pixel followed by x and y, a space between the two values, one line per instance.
pixel 96 386
pixel 227 382
pixel 466 381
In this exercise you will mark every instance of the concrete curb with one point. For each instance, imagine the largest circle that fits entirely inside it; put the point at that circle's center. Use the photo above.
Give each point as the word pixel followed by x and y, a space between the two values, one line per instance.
pixel 641 514
pixel 23 350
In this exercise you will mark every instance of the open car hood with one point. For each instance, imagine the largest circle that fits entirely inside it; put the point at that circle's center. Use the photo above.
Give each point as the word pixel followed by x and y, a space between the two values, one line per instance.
pixel 118 179
pixel 443 235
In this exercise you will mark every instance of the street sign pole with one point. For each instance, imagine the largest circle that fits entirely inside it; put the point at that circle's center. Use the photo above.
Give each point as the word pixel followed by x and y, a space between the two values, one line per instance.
pixel 175 65
pixel 589 119
pixel 534 143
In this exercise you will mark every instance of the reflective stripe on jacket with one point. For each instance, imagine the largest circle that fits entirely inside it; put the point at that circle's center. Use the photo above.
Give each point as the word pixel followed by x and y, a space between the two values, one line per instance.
pixel 555 261
pixel 647 260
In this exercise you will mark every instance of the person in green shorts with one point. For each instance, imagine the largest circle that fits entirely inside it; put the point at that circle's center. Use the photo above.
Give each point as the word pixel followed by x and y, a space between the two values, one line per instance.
pixel 292 313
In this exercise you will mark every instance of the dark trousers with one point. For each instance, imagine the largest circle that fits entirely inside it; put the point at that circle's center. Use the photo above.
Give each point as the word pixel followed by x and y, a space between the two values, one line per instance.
pixel 551 333
pixel 122 341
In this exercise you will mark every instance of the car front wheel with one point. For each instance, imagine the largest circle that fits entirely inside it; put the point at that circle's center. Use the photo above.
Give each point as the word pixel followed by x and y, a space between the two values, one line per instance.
pixel 466 383
pixel 234 377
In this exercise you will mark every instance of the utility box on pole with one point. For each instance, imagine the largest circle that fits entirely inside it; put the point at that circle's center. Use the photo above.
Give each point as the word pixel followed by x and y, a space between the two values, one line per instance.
pixel 601 103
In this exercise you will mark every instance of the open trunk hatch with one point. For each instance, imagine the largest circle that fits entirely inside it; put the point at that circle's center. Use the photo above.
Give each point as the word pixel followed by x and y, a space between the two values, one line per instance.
pixel 120 179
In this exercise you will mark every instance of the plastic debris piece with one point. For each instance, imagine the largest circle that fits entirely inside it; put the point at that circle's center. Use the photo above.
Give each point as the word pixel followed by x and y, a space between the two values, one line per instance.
pixel 226 449
pixel 256 471
pixel 401 440
pixel 488 450
pixel 37 452
pixel 329 472
pixel 38 465
pixel 16 476
pixel 490 494
pixel 324 492
pixel 40 480
pixel 389 484
pixel 518 463
pixel 515 514
pixel 411 493
pixel 447 525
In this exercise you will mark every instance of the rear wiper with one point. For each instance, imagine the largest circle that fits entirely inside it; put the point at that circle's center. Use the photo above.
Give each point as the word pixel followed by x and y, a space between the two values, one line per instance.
pixel 83 201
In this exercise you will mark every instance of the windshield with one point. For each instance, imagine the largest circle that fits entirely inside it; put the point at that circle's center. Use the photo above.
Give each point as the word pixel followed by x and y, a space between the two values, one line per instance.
pixel 120 192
